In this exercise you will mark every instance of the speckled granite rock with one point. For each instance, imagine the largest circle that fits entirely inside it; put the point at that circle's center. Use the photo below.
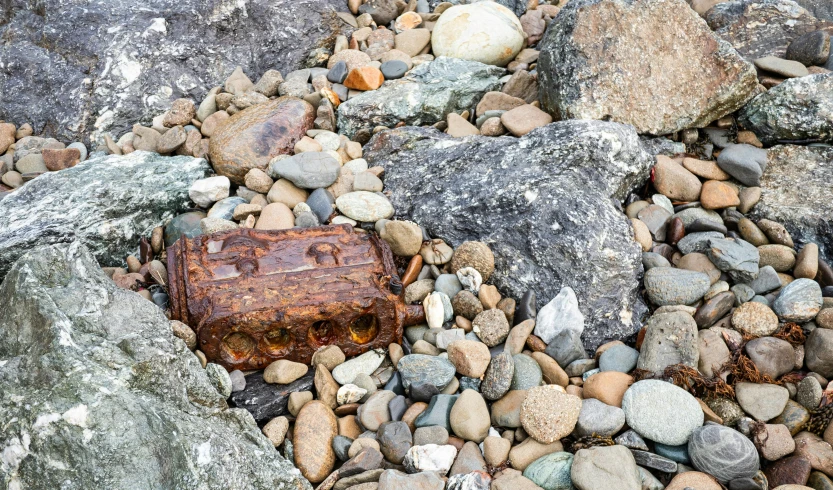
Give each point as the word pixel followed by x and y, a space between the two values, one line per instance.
pixel 112 64
pixel 523 204
pixel 797 109
pixel 758 28
pixel 619 60
pixel 795 191
pixel 426 95
pixel 108 203
pixel 99 394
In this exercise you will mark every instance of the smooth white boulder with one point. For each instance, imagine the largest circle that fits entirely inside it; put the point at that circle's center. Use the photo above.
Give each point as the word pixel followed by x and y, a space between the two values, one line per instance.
pixel 485 31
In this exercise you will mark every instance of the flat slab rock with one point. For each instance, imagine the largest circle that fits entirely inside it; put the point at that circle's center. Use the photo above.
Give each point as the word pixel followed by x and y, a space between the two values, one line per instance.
pixel 98 393
pixel 796 192
pixel 619 60
pixel 111 64
pixel 758 28
pixel 544 203
pixel 108 203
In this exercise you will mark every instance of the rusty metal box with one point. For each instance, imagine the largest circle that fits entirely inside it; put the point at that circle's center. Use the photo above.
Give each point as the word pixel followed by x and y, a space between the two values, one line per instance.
pixel 257 296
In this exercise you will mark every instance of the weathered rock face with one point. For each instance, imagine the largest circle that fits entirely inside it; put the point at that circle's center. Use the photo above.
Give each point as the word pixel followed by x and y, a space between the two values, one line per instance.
pixel 108 203
pixel 544 203
pixel 619 60
pixel 425 96
pixel 797 109
pixel 98 393
pixel 112 64
pixel 821 9
pixel 796 192
pixel 758 28
pixel 252 137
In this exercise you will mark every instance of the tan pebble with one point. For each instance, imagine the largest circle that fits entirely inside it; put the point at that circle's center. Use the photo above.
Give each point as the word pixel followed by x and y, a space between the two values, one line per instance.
pixel 297 400
pixel 749 197
pixel 275 216
pixel 807 263
pixel 315 429
pixel 275 430
pixel 349 427
pixel 706 169
pixel 642 234
pixel 284 371
pixel 489 296
pixel 133 264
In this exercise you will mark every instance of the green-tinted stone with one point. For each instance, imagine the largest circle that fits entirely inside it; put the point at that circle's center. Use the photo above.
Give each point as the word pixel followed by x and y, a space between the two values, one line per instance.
pixel 551 472
pixel 187 224
pixel 794 417
pixel 438 412
pixel 727 409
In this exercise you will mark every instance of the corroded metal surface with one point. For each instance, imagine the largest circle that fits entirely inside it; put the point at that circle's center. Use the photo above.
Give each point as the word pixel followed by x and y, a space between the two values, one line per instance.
pixel 257 296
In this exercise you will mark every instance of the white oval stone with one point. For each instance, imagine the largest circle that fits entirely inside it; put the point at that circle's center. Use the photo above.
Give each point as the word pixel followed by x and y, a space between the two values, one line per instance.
pixel 364 206
pixel 485 31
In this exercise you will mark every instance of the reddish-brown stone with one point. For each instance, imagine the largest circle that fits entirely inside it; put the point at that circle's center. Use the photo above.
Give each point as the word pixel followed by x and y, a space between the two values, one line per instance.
pixel 252 137
pixel 793 470
pixel 61 159
pixel 676 231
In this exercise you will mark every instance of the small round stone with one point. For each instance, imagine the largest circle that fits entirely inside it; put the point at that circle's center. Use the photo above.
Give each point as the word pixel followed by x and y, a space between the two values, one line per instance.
pixel 393 69
pixel 498 376
pixel 661 412
pixel 476 255
pixel 755 319
pixel 548 414
pixel 723 453
pixel 491 327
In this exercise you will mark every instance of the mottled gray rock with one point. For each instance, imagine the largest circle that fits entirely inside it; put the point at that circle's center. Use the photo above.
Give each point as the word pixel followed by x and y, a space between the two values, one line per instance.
pixel 697 242
pixel 795 191
pixel 420 367
pixel 758 28
pixel 523 204
pixel 98 393
pixel 821 9
pixel 599 418
pixel 743 162
pixel 670 338
pixel 736 257
pixel 797 109
pixel 723 453
pixel 424 96
pixel 108 203
pixel 818 351
pixel 661 412
pixel 670 286
pixel 799 301
pixel 632 75
pixel 83 68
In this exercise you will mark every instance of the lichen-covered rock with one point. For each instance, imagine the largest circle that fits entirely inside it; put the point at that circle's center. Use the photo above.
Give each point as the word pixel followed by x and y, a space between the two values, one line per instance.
pixel 795 191
pixel 619 60
pixel 108 203
pixel 758 28
pixel 426 95
pixel 544 203
pixel 111 64
pixel 252 137
pixel 797 109
pixel 98 393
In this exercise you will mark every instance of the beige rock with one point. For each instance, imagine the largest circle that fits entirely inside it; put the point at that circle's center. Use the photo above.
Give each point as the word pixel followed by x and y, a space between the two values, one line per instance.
pixel 496 450
pixel 412 41
pixel 807 263
pixel 674 181
pixel 492 101
pixel 706 169
pixel 313 435
pixel 642 234
pixel 275 430
pixel 749 197
pixel 284 191
pixel 553 373
pixel 469 417
pixel 548 414
pixel 469 357
pixel 516 340
pixel 325 386
pixel 459 127
pixel 529 450
pixel 284 371
pixel 608 387
pixel 275 216
pixel 780 257
pixel 693 479
pixel 523 119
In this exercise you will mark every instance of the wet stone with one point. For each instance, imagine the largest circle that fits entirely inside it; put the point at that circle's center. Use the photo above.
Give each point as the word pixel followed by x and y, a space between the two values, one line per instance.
pixel 266 401
pixel 653 461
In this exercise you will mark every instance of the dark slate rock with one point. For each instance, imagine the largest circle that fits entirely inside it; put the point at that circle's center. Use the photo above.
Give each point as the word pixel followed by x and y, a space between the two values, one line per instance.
pixel 393 69
pixel 797 109
pixel 743 162
pixel 821 9
pixel 795 191
pixel 467 383
pixel 421 367
pixel 714 309
pixel 427 95
pixel 723 453
pixel 697 242
pixel 758 28
pixel 699 225
pixel 422 391
pixel 527 307
pixel 338 72
pixel 321 202
pixel 266 401
pixel 766 281
pixel 397 407
pixel 394 384
pixel 654 461
pixel 566 347
pixel 368 459
pixel 394 440
pixel 438 412
pixel 498 376
pixel 810 49
pixel 75 343
pixel 224 208
pixel 111 65
pixel 738 258
pixel 107 203
pixel 631 440
pixel 530 225
pixel 674 453
pixel 341 444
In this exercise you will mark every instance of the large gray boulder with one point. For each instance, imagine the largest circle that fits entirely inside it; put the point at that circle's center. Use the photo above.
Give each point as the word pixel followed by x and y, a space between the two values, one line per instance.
pixel 620 60
pixel 758 28
pixel 547 204
pixel 108 203
pixel 796 191
pixel 98 393
pixel 426 95
pixel 822 9
pixel 79 68
pixel 797 109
